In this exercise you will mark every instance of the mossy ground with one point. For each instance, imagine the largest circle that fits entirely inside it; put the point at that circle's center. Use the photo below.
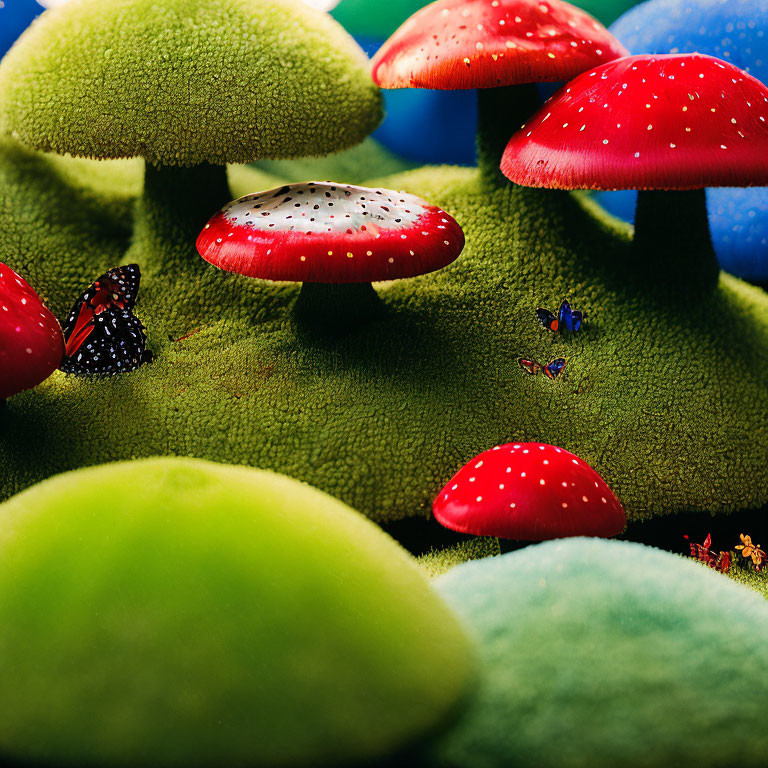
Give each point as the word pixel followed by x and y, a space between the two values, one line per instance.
pixel 440 561
pixel 665 392
pixel 752 579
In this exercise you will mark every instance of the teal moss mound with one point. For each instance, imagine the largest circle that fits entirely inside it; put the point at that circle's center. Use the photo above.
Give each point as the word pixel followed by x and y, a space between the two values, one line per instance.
pixel 665 393
pixel 601 654
pixel 176 612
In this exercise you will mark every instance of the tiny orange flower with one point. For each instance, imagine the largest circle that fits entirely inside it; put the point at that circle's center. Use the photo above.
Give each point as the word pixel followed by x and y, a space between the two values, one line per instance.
pixel 750 550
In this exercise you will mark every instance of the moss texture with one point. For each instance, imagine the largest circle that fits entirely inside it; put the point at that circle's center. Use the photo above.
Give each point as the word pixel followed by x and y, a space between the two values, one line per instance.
pixel 364 161
pixel 178 612
pixel 186 82
pixel 440 561
pixel 590 659
pixel 752 579
pixel 664 394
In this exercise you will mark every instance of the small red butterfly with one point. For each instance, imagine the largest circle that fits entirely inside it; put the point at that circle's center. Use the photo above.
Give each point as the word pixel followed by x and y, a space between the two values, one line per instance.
pixel 723 562
pixel 720 561
pixel 551 370
pixel 701 551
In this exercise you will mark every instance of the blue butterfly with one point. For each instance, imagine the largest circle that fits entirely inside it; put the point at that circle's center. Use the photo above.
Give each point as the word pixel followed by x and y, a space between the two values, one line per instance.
pixel 567 320
pixel 551 370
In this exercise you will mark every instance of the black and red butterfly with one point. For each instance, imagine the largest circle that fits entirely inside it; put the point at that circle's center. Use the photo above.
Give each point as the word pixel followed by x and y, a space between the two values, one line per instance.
pixel 567 320
pixel 102 334
pixel 551 370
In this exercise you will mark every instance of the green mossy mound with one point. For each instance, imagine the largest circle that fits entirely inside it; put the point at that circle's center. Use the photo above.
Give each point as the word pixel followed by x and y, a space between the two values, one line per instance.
pixel 665 393
pixel 599 654
pixel 185 82
pixel 176 612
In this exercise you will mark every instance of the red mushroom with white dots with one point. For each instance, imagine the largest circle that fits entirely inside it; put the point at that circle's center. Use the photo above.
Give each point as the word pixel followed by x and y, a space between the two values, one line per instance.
pixel 501 48
pixel 676 122
pixel 336 239
pixel 529 492
pixel 31 341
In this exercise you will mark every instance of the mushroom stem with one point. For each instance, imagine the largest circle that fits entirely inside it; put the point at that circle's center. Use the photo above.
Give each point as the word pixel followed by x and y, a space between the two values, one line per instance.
pixel 176 204
pixel 500 113
pixel 672 238
pixel 333 309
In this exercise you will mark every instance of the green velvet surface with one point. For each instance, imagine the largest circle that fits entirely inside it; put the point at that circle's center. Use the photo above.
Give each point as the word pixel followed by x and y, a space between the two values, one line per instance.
pixel 174 612
pixel 665 392
pixel 603 654
pixel 185 82
pixel 380 19
pixel 355 165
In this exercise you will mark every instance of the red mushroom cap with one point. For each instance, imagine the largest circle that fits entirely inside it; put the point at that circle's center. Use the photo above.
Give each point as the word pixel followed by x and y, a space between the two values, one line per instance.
pixel 459 44
pixel 321 232
pixel 678 121
pixel 529 492
pixel 31 342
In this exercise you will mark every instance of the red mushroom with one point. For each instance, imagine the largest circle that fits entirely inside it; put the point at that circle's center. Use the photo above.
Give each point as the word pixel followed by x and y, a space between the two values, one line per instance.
pixel 336 239
pixel 668 122
pixel 31 342
pixel 529 492
pixel 492 45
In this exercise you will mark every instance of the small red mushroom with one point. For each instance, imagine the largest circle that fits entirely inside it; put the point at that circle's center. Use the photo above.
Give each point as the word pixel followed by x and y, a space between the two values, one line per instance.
pixel 491 45
pixel 31 341
pixel 336 239
pixel 529 492
pixel 672 122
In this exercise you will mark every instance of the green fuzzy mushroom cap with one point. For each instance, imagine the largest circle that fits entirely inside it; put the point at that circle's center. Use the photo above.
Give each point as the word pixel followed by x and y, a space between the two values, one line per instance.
pixel 184 82
pixel 175 612
pixel 599 654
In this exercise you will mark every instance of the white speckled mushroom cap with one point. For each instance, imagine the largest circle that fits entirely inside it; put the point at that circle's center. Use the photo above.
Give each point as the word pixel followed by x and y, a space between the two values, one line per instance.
pixel 323 232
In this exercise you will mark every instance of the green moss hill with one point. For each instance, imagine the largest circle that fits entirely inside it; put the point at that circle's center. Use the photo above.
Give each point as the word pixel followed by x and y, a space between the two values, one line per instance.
pixel 665 392
pixel 212 615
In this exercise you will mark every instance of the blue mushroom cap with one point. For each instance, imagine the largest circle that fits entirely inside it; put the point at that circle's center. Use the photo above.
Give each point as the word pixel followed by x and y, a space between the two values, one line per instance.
pixel 427 126
pixel 735 31
pixel 430 126
pixel 15 17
